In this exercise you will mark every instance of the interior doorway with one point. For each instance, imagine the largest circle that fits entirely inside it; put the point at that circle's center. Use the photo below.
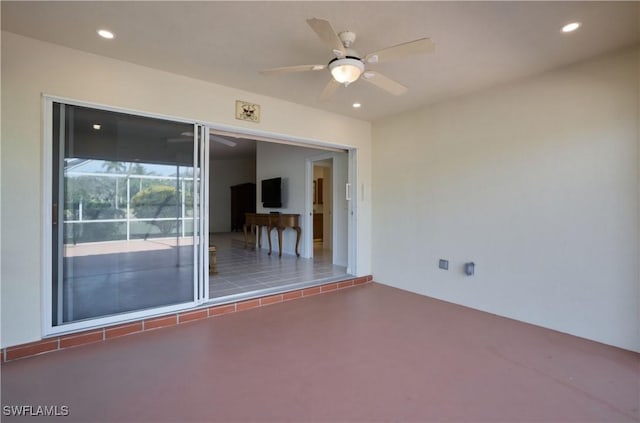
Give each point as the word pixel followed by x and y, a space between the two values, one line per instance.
pixel 323 207
pixel 333 169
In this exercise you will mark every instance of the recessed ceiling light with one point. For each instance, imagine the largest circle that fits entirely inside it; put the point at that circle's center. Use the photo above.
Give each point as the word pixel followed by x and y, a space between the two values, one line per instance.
pixel 356 105
pixel 570 27
pixel 106 34
pixel 97 126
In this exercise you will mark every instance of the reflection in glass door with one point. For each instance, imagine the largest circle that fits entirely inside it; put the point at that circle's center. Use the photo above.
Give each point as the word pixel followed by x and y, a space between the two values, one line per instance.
pixel 125 213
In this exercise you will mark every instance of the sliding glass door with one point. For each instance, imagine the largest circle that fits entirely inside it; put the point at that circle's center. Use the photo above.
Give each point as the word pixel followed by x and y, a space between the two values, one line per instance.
pixel 125 220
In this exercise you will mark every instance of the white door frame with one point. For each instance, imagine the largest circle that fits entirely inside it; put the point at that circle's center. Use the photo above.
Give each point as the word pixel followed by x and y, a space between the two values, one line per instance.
pixel 308 202
pixel 202 295
pixel 352 198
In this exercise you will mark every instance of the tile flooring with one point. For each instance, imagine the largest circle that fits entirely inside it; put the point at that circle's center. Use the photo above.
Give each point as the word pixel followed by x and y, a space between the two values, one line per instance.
pixel 108 278
pixel 243 270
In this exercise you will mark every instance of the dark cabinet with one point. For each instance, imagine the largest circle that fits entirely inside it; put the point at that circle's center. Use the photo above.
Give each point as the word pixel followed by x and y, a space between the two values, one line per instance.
pixel 317 226
pixel 243 200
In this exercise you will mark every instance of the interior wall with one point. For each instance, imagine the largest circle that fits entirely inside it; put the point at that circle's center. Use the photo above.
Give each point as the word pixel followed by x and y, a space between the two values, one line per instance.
pixel 31 68
pixel 537 182
pixel 340 209
pixel 223 175
pixel 289 163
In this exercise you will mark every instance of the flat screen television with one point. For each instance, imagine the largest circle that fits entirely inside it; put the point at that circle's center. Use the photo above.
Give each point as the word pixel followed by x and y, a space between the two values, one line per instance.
pixel 272 193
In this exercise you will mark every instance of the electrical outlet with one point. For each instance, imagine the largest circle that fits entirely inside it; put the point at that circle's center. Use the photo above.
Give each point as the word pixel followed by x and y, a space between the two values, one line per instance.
pixel 443 264
pixel 469 268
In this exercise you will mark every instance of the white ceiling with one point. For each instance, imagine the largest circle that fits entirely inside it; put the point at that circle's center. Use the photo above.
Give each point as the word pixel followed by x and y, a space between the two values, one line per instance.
pixel 478 44
pixel 244 148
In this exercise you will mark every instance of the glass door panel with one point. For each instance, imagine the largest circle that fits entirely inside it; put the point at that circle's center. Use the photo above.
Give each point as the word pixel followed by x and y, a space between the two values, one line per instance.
pixel 125 229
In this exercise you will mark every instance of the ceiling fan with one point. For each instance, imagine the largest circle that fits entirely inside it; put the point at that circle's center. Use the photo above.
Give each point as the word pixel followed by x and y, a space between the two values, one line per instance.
pixel 348 65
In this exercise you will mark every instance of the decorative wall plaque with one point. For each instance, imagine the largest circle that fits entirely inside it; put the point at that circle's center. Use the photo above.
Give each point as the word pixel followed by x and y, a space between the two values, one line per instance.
pixel 247 111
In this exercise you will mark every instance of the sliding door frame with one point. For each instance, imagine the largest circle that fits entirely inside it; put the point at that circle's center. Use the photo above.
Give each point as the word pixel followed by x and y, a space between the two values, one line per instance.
pixel 201 241
pixel 200 278
pixel 202 294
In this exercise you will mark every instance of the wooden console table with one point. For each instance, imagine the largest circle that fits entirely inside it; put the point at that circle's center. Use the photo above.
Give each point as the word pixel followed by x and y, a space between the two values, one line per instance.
pixel 278 222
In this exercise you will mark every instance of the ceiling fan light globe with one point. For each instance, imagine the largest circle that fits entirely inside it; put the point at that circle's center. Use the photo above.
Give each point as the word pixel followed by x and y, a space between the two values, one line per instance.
pixel 346 71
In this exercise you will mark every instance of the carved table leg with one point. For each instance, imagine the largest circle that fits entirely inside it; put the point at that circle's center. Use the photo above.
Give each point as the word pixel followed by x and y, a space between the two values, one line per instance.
pixel 259 232
pixel 269 236
pixel 280 240
pixel 298 235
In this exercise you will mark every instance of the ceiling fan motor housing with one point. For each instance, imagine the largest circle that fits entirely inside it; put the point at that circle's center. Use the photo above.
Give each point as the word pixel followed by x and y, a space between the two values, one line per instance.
pixel 347 38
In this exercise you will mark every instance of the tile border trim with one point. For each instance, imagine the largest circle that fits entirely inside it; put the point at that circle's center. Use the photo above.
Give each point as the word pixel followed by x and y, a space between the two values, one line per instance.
pixel 106 333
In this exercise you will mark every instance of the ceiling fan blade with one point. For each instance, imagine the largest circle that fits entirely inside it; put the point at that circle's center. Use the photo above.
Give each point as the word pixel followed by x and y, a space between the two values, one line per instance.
pixel 221 140
pixel 300 68
pixel 421 46
pixel 329 89
pixel 383 82
pixel 324 30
